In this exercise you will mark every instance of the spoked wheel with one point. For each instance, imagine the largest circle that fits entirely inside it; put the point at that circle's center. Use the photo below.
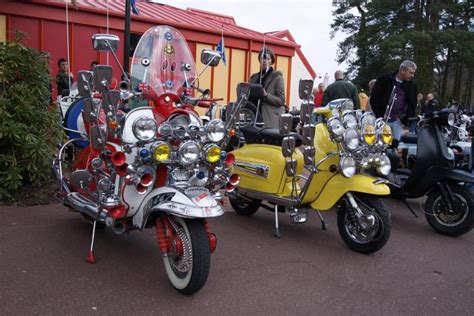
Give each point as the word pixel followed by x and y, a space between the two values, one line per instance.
pixel 243 206
pixel 366 233
pixel 188 255
pixel 456 222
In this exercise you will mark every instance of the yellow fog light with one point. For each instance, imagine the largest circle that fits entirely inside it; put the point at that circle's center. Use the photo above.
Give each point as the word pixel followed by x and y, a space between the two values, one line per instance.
pixel 369 134
pixel 387 134
pixel 161 152
pixel 212 153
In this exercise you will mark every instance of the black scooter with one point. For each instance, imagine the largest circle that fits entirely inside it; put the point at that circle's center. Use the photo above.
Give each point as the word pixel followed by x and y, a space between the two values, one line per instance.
pixel 449 208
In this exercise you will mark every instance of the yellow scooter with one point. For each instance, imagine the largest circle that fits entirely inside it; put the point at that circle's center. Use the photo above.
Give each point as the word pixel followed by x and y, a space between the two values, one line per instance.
pixel 296 173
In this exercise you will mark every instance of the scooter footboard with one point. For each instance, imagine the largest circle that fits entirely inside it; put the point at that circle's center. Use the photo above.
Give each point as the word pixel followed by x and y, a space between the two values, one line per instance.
pixel 338 185
pixel 174 202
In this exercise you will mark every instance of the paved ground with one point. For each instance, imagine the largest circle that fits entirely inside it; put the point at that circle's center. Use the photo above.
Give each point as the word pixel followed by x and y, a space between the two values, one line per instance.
pixel 308 271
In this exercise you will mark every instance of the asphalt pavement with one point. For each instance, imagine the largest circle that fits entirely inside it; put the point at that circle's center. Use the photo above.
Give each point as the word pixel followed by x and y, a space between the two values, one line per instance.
pixel 307 272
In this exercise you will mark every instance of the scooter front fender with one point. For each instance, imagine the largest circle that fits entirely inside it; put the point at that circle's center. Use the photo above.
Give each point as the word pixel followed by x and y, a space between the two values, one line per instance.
pixel 172 201
pixel 338 185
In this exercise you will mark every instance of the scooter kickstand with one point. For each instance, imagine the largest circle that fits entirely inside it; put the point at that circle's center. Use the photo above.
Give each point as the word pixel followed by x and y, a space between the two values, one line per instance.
pixel 409 207
pixel 277 228
pixel 90 256
pixel 323 222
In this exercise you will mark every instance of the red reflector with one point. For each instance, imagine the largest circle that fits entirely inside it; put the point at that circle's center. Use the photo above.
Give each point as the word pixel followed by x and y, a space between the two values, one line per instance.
pixel 122 170
pixel 146 179
pixel 141 189
pixel 234 179
pixel 212 241
pixel 116 212
pixel 229 187
pixel 229 159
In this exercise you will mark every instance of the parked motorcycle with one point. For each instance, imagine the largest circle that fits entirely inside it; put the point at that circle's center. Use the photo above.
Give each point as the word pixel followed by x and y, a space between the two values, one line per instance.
pixel 296 173
pixel 449 205
pixel 156 166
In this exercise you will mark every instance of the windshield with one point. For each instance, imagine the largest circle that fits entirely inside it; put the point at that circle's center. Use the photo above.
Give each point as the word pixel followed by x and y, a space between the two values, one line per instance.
pixel 162 62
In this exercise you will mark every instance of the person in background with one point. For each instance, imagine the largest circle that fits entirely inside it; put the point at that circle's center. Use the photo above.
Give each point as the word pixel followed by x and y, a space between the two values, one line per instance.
pixel 371 86
pixel 431 104
pixel 93 64
pixel 63 78
pixel 404 103
pixel 318 95
pixel 272 104
pixel 363 100
pixel 418 111
pixel 341 89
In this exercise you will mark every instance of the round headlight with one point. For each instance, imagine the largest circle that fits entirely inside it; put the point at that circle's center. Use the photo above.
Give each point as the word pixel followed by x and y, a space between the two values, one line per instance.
pixel 451 118
pixel 188 152
pixel 351 139
pixel 212 153
pixel 369 134
pixel 144 128
pixel 367 118
pixel 387 134
pixel 336 127
pixel 165 130
pixel 350 120
pixel 348 166
pixel 161 151
pixel 215 130
pixel 384 166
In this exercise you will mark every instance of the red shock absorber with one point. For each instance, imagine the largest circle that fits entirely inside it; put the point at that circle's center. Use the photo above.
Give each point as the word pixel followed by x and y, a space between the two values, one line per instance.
pixel 211 237
pixel 161 236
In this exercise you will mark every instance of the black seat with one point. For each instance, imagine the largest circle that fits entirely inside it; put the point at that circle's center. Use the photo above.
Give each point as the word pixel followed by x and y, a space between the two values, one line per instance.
pixel 268 136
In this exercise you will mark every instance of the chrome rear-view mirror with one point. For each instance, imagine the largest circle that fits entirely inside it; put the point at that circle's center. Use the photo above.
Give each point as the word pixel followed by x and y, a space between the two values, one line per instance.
pixel 105 42
pixel 286 123
pixel 305 87
pixel 210 57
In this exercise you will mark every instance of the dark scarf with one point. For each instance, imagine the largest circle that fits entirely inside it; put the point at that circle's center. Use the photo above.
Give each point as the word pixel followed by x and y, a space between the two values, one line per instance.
pixel 264 75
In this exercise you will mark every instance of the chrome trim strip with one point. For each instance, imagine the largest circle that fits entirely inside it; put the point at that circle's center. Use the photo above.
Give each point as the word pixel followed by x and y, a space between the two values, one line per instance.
pixel 254 169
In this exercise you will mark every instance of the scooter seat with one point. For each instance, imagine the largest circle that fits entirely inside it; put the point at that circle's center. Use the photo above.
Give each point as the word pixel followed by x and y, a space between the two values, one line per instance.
pixel 409 138
pixel 268 136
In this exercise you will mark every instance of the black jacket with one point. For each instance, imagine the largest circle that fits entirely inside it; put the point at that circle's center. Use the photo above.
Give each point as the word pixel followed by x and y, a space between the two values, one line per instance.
pixel 381 95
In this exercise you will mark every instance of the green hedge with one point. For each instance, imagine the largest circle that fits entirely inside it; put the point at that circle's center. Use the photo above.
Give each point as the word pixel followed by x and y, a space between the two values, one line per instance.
pixel 29 125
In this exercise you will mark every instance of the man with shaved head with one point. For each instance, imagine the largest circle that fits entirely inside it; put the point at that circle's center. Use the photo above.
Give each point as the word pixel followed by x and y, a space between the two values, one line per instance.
pixel 341 89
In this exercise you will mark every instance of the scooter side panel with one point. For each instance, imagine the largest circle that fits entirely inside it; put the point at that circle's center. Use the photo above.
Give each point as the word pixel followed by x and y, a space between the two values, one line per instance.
pixel 262 167
pixel 338 185
pixel 439 174
pixel 323 146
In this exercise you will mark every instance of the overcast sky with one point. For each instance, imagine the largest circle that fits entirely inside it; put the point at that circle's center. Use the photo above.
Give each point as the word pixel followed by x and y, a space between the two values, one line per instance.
pixel 307 20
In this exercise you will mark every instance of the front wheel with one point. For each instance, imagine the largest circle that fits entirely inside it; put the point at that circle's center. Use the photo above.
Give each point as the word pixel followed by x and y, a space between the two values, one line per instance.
pixel 188 256
pixel 451 223
pixel 364 232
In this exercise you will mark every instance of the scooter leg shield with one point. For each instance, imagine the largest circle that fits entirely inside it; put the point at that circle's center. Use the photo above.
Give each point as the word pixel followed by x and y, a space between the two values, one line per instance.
pixel 338 185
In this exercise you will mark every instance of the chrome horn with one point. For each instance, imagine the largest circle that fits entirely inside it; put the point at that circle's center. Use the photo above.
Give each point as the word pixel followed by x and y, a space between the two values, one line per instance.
pixel 125 91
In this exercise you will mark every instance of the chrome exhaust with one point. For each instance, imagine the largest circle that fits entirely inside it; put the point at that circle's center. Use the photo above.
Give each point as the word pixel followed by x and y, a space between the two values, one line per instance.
pixel 84 205
pixel 118 227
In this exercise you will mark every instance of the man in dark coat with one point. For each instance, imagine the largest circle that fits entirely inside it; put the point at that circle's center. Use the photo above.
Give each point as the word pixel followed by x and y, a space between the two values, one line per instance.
pixel 405 92
pixel 341 89
pixel 64 78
